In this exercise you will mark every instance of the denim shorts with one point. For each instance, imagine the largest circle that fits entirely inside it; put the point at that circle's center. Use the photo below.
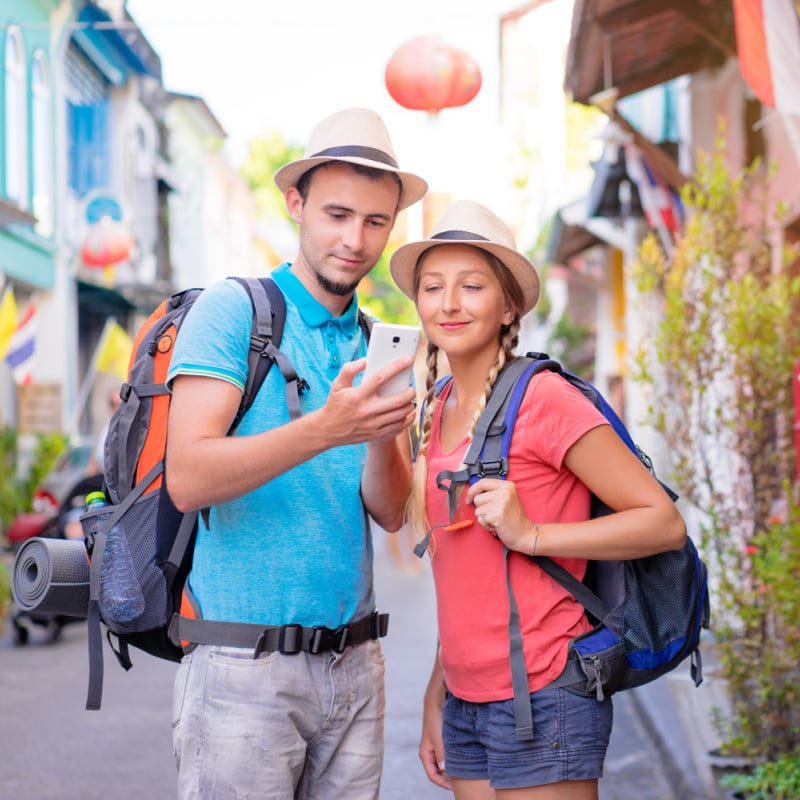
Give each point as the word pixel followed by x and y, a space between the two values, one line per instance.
pixel 571 734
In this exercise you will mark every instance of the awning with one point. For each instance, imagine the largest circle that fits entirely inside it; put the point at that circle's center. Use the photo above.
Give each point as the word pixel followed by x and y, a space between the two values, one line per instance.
pixel 573 233
pixel 631 46
pixel 105 302
pixel 12 214
pixel 568 236
pixel 124 298
pixel 116 50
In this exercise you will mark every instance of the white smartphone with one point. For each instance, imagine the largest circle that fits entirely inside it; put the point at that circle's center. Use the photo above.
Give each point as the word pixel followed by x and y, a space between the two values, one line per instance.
pixel 387 343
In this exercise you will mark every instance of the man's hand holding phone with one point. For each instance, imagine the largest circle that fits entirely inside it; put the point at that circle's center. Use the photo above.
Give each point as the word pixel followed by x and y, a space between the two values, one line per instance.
pixel 385 407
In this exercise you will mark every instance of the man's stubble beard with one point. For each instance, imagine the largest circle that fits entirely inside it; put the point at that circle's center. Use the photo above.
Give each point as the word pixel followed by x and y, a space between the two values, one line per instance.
pixel 337 289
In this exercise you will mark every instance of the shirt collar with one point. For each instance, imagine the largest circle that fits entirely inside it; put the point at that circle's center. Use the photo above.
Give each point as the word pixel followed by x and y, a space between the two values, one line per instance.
pixel 313 313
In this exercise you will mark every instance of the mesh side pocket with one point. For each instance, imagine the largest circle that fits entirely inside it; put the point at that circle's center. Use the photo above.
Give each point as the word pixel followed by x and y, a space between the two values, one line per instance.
pixel 92 521
pixel 140 524
pixel 661 595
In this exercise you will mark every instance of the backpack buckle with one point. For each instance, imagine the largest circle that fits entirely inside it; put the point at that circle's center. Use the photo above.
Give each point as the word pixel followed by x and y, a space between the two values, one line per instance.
pixel 290 640
pixel 495 466
pixel 327 639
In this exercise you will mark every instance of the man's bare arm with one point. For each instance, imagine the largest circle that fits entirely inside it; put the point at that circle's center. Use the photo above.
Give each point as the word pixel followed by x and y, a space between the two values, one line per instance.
pixel 206 467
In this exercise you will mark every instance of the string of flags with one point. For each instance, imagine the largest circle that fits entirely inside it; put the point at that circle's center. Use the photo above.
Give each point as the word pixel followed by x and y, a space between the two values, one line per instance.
pixel 18 337
pixel 662 206
pixel 18 342
pixel 8 319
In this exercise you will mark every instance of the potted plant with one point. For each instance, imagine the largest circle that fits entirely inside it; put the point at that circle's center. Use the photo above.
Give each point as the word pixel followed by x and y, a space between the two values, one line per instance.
pixel 721 357
pixel 772 780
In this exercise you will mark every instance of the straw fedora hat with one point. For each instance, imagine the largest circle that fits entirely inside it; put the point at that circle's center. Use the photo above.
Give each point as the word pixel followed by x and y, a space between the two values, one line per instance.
pixel 470 223
pixel 357 136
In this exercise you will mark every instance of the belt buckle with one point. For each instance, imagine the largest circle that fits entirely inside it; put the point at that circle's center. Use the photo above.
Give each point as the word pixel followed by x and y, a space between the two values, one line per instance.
pixel 327 639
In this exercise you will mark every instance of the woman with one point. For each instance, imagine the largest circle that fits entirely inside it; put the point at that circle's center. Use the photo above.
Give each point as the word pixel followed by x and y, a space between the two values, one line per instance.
pixel 471 289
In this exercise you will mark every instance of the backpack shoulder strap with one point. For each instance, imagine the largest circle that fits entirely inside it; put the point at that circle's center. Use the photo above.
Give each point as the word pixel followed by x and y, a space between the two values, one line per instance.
pixel 269 317
pixel 487 455
pixel 365 322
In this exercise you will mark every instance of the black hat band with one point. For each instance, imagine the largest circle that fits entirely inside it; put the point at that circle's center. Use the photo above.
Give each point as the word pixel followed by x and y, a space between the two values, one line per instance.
pixel 357 151
pixel 459 235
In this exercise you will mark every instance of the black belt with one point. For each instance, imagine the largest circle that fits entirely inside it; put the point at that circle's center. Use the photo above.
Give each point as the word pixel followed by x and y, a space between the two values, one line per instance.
pixel 285 639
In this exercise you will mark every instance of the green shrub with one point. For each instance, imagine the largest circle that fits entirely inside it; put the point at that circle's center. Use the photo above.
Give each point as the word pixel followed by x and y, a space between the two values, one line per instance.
pixel 721 357
pixel 5 584
pixel 16 490
pixel 772 780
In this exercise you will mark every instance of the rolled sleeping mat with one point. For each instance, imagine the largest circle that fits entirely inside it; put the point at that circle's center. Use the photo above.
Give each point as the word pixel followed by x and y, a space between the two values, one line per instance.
pixel 52 576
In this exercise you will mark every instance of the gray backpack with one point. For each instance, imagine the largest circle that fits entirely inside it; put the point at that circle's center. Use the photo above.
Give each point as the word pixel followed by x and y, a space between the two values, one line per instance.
pixel 158 539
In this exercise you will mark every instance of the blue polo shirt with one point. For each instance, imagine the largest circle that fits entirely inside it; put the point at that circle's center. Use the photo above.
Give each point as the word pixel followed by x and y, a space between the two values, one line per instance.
pixel 298 549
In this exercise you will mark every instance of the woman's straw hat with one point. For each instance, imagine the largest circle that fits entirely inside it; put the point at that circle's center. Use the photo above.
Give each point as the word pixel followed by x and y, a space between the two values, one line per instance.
pixel 470 223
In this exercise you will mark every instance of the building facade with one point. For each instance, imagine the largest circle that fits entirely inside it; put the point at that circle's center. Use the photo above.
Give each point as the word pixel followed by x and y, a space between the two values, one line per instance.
pixel 109 199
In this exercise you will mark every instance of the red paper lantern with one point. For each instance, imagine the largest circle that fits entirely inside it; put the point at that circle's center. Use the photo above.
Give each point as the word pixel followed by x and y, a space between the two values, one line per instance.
pixel 107 243
pixel 425 74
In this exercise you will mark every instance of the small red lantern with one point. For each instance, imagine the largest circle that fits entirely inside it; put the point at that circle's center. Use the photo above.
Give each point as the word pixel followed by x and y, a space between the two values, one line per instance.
pixel 107 243
pixel 425 74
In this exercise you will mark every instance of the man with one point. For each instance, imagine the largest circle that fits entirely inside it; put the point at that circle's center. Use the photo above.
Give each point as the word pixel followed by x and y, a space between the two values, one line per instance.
pixel 287 542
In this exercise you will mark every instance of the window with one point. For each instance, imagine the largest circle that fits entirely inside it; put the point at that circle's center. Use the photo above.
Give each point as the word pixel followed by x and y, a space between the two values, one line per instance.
pixel 88 120
pixel 42 145
pixel 16 157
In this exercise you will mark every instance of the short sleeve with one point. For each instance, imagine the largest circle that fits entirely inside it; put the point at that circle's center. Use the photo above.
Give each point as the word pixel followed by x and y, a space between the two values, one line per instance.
pixel 553 416
pixel 215 336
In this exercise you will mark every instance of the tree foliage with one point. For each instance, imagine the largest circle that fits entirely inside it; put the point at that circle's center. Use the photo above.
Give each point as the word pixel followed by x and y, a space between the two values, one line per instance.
pixel 267 154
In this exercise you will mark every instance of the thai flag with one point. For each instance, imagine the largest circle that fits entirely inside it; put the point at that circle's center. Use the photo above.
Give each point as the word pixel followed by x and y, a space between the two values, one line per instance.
pixel 22 348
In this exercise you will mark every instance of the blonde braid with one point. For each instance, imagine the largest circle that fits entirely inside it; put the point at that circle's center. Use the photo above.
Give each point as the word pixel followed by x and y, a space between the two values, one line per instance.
pixel 432 365
pixel 416 514
pixel 508 341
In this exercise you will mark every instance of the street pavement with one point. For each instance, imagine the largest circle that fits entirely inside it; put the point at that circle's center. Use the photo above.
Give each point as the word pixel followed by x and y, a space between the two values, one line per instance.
pixel 53 748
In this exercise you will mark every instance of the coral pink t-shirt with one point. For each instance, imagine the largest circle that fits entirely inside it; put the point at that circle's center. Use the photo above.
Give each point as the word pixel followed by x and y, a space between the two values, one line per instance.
pixel 469 566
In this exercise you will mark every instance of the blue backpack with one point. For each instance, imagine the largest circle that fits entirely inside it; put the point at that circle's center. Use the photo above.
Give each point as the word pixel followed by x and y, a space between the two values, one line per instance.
pixel 647 612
